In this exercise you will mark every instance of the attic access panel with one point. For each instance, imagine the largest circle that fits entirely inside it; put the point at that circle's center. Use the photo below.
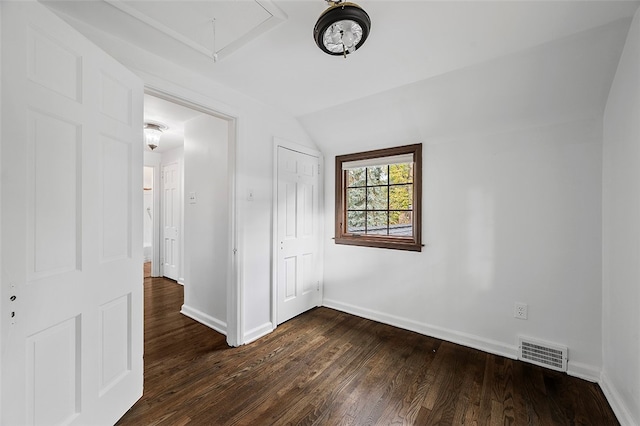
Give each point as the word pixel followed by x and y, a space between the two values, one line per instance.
pixel 190 22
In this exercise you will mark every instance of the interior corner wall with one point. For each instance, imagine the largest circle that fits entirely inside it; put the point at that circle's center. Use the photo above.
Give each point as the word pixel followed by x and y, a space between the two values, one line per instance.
pixel 621 235
pixel 206 220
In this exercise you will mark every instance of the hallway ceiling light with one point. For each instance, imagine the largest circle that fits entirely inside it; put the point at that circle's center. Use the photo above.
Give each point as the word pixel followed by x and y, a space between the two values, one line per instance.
pixel 342 28
pixel 152 133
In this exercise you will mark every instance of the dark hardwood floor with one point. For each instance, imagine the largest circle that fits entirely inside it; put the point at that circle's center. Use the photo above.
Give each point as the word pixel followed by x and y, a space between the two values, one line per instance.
pixel 329 368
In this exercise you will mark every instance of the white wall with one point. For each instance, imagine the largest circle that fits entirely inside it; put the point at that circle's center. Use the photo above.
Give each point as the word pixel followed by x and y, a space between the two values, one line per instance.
pixel 511 200
pixel 621 236
pixel 206 233
pixel 508 217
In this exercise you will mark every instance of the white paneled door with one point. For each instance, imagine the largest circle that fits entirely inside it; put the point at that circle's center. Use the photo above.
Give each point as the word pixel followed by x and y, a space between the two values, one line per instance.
pixel 170 220
pixel 297 275
pixel 71 232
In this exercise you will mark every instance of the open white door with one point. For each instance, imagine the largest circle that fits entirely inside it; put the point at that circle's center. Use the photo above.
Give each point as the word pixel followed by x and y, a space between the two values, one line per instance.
pixel 71 229
pixel 298 287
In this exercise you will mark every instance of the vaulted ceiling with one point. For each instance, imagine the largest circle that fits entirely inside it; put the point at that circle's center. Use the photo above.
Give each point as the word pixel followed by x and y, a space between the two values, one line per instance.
pixel 265 48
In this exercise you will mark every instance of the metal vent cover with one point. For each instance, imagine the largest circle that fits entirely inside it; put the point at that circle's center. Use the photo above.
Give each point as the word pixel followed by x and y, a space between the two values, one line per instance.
pixel 543 353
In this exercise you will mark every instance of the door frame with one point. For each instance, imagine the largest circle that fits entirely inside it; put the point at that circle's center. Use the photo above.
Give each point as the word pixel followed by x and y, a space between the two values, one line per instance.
pixel 281 143
pixel 197 102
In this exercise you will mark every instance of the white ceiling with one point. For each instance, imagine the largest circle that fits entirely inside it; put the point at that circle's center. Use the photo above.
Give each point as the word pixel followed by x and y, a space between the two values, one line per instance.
pixel 562 81
pixel 266 49
pixel 207 27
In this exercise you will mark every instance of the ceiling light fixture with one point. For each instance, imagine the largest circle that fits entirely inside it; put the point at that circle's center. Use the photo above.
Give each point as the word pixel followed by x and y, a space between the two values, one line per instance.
pixel 342 28
pixel 152 133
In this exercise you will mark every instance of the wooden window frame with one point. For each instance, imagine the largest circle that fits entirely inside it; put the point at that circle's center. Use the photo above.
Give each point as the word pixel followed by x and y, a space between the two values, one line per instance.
pixel 381 241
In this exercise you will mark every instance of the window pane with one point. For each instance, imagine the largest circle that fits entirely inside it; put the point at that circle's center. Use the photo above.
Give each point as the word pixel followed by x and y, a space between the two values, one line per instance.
pixel 355 222
pixel 401 224
pixel 377 223
pixel 356 177
pixel 355 198
pixel 401 173
pixel 377 175
pixel 377 198
pixel 401 197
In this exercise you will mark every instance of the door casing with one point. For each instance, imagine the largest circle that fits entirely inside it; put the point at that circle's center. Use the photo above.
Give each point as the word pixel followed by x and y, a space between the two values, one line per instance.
pixel 170 92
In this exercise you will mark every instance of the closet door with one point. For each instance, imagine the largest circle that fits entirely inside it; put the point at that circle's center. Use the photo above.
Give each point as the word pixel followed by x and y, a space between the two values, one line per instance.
pixel 298 287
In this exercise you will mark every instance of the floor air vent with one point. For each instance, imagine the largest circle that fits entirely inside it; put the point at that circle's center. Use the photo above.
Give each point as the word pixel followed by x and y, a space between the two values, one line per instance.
pixel 543 354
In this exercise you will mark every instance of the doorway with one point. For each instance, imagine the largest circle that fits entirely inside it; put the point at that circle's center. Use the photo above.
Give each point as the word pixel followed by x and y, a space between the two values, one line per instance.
pixel 195 187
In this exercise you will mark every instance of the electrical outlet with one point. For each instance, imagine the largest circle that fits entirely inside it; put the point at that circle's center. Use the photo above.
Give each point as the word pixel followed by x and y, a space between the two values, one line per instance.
pixel 520 311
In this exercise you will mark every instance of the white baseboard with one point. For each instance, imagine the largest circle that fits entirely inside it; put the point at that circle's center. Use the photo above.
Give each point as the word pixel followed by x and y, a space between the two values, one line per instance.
pixel 486 345
pixel 202 318
pixel 583 371
pixel 256 333
pixel 617 404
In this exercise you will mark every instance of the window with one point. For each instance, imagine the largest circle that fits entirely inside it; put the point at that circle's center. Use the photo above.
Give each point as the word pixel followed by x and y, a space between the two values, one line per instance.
pixel 379 197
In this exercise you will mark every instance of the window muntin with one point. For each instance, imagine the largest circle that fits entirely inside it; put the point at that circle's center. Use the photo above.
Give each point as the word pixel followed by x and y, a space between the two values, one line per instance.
pixel 378 198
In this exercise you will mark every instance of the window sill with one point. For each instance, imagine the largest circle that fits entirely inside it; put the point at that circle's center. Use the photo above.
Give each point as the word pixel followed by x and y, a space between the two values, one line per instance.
pixel 388 243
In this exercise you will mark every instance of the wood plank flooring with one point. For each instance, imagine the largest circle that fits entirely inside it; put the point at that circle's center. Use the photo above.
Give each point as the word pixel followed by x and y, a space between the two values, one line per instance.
pixel 329 368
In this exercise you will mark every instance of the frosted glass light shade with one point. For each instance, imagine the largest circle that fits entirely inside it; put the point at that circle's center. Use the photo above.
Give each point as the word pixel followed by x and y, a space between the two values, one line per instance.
pixel 341 36
pixel 152 134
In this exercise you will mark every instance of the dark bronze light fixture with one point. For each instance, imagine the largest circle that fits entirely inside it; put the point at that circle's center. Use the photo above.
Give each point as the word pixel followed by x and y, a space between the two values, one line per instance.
pixel 342 28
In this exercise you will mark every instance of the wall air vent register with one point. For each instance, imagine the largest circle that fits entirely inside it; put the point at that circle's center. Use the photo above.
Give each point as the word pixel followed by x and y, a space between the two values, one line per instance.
pixel 543 354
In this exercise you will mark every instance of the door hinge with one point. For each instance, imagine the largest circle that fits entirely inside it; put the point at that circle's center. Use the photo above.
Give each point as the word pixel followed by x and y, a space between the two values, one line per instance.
pixel 318 286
